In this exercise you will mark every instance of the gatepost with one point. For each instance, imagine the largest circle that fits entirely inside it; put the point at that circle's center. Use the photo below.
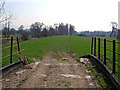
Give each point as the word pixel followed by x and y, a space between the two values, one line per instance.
pixel 118 67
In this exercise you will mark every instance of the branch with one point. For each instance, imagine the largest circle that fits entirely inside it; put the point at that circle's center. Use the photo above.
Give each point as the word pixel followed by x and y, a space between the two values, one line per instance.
pixel 2 7
pixel 5 19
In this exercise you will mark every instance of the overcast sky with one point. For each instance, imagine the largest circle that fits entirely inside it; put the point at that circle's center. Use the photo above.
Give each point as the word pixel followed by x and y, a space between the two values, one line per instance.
pixel 83 14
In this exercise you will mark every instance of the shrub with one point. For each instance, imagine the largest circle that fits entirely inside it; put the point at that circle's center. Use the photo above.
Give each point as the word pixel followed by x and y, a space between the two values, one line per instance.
pixel 24 36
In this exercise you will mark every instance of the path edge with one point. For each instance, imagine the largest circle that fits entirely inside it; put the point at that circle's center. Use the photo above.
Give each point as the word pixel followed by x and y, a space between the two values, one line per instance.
pixel 104 69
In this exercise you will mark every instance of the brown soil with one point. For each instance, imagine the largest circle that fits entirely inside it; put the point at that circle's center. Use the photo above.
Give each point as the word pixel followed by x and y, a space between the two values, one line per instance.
pixel 52 72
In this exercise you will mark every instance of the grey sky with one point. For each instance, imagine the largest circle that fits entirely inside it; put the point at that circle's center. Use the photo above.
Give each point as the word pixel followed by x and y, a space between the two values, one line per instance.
pixel 83 14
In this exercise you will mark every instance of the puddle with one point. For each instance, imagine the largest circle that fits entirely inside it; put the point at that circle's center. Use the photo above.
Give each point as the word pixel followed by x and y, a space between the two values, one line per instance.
pixel 88 77
pixel 47 64
pixel 43 75
pixel 84 60
pixel 91 84
pixel 88 71
pixel 44 85
pixel 40 75
pixel 7 80
pixel 65 58
pixel 36 63
pixel 71 76
pixel 34 59
pixel 75 64
pixel 1 80
pixel 20 72
pixel 68 64
pixel 54 59
pixel 61 64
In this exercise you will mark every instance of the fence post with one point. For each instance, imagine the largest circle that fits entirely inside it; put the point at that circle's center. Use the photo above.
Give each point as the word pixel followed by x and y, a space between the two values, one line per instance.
pixel 105 51
pixel 99 48
pixel 18 45
pixel 95 46
pixel 114 56
pixel 11 49
pixel 92 46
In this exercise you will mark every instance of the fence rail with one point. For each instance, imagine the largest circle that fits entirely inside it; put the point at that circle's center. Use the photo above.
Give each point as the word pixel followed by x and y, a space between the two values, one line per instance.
pixel 8 47
pixel 7 38
pixel 105 49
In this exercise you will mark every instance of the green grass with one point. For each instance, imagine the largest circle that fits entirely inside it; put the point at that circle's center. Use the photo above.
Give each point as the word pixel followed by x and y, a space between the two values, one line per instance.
pixel 75 44
pixel 39 47
pixel 79 45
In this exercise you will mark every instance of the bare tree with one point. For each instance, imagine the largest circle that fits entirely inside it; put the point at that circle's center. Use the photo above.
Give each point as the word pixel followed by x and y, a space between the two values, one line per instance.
pixel 5 18
pixel 5 13
pixel 2 11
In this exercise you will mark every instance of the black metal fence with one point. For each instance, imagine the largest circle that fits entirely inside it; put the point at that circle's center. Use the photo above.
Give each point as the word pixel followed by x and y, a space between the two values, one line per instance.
pixel 96 47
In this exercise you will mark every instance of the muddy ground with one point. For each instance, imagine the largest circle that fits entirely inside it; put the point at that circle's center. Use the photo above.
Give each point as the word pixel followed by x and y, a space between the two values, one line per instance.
pixel 55 70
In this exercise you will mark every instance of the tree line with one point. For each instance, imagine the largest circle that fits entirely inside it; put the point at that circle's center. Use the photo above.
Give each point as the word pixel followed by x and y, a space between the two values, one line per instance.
pixel 39 29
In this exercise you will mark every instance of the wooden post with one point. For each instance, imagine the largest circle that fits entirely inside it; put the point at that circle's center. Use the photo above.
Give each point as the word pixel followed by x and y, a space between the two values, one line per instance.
pixel 118 46
pixel 105 51
pixel 11 49
pixel 18 45
pixel 92 46
pixel 99 48
pixel 118 34
pixel 95 46
pixel 119 20
pixel 113 56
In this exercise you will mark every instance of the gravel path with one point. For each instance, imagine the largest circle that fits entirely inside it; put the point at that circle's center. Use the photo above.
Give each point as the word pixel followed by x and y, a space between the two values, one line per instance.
pixel 51 72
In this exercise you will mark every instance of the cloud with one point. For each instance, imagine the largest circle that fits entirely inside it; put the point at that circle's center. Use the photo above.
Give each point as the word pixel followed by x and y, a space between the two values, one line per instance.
pixel 24 0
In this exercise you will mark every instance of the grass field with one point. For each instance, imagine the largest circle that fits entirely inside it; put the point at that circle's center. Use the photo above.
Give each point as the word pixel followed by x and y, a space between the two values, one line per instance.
pixel 78 45
pixel 39 47
pixel 75 44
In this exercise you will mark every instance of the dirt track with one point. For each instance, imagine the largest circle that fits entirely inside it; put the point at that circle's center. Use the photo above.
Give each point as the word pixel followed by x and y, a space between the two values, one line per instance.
pixel 51 72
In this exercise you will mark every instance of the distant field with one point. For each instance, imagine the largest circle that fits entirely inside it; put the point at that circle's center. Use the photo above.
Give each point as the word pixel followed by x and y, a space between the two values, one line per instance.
pixel 39 47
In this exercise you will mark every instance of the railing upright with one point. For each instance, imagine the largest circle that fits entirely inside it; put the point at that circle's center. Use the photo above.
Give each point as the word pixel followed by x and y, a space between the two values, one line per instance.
pixel 95 46
pixel 114 56
pixel 99 48
pixel 92 46
pixel 11 49
pixel 105 51
pixel 18 45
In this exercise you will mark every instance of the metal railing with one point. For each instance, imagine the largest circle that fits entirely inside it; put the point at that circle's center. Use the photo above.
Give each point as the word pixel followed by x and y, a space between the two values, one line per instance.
pixel 96 47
